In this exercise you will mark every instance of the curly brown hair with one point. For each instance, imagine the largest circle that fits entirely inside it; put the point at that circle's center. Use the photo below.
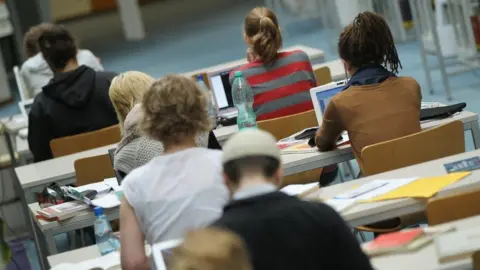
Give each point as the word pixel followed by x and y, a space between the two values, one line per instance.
pixel 174 108
pixel 30 39
pixel 368 40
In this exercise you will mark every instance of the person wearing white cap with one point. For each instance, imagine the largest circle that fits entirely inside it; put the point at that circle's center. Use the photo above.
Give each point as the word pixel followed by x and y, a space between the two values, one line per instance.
pixel 281 231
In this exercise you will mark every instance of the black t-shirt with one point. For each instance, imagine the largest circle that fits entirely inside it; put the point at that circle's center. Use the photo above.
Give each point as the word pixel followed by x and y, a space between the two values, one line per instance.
pixel 284 232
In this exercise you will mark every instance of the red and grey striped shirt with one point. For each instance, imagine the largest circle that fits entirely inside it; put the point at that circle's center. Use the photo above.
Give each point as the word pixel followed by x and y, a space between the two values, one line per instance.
pixel 280 89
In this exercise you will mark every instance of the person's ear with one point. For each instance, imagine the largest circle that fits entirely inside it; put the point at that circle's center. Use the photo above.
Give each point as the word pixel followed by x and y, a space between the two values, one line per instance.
pixel 278 177
pixel 348 66
pixel 229 184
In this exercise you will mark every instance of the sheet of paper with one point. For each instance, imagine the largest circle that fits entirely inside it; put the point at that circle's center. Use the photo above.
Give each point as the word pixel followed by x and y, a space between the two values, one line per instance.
pixel 363 189
pixel 341 205
pixel 421 188
pixel 100 187
pixel 392 184
pixel 294 190
pixel 108 201
pixel 113 183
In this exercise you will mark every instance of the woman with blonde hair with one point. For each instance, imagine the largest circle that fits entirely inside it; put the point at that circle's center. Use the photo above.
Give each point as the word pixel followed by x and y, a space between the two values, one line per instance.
pixel 135 149
pixel 180 190
pixel 210 249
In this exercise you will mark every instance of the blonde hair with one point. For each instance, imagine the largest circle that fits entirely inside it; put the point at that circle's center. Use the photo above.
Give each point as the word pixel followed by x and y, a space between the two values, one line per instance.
pixel 261 27
pixel 127 90
pixel 174 108
pixel 211 249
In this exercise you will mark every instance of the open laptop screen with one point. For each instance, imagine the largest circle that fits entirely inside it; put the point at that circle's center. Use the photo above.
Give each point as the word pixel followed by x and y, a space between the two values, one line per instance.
pixel 222 90
pixel 324 97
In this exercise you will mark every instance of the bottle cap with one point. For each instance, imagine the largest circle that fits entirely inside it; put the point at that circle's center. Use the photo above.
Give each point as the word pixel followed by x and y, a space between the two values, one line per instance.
pixel 98 211
pixel 238 74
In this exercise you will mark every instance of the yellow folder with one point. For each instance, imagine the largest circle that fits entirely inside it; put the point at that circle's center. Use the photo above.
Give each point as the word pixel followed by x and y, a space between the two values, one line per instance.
pixel 421 188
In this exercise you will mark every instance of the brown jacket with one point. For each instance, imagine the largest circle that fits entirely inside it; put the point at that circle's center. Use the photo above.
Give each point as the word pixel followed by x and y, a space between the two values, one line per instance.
pixel 372 114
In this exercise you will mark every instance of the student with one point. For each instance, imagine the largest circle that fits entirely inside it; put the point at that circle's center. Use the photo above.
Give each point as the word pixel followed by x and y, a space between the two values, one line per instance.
pixel 135 149
pixel 35 71
pixel 210 249
pixel 377 105
pixel 76 99
pixel 281 81
pixel 281 231
pixel 180 190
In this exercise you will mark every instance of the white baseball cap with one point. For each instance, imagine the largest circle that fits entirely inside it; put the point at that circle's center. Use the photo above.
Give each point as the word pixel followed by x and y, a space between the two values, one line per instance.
pixel 251 142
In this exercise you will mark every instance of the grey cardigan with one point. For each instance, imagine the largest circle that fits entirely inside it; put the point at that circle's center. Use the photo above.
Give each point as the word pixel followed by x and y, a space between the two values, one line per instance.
pixel 135 150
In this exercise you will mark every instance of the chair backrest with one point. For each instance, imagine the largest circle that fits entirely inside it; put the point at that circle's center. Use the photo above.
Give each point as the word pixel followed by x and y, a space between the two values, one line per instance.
pixel 85 141
pixel 283 127
pixel 430 144
pixel 93 169
pixel 459 206
pixel 22 87
pixel 476 260
pixel 323 75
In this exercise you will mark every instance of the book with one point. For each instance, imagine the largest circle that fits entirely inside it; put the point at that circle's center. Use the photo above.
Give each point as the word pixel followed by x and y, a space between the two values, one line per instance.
pixel 396 242
pixel 62 211
pixel 302 146
pixel 457 245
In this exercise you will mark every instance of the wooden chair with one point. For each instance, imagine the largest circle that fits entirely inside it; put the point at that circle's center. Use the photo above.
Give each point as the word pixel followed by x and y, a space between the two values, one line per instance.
pixel 285 126
pixel 476 260
pixel 204 77
pixel 427 145
pixel 85 141
pixel 93 169
pixel 323 75
pixel 460 206
pixel 442 141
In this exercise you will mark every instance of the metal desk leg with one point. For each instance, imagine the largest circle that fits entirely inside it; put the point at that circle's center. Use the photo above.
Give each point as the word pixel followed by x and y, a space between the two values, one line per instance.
pixel 11 151
pixel 40 245
pixel 52 245
pixel 474 128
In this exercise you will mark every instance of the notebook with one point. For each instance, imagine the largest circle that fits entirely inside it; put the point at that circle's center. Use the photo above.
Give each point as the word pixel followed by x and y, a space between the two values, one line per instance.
pixel 402 241
pixel 110 261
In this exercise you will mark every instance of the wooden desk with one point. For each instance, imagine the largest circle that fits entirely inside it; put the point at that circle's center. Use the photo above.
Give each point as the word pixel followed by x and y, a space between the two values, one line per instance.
pixel 426 257
pixel 366 213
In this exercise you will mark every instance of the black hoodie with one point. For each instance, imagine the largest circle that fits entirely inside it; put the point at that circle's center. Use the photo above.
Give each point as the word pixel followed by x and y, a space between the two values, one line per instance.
pixel 73 102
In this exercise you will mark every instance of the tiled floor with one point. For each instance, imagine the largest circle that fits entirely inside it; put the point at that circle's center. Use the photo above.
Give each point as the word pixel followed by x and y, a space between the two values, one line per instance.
pixel 198 35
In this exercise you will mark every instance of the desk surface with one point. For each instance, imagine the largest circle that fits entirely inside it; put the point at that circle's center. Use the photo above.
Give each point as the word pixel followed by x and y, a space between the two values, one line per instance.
pixel 57 169
pixel 366 213
pixel 74 256
pixel 315 55
pixel 427 256
pixel 52 170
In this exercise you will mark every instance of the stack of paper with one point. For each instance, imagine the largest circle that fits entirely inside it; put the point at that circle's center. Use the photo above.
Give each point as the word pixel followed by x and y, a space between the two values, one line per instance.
pixel 341 205
pixel 457 245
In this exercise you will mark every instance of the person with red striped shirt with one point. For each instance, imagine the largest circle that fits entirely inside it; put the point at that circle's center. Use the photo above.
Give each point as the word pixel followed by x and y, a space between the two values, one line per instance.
pixel 280 81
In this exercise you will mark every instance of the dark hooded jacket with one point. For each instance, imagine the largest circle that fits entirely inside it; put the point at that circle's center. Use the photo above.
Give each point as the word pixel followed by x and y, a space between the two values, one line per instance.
pixel 71 103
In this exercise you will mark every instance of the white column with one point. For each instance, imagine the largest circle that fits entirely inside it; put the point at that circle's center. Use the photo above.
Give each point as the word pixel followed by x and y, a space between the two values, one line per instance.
pixel 131 17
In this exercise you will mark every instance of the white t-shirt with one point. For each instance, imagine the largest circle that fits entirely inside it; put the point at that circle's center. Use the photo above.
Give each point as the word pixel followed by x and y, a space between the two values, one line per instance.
pixel 177 192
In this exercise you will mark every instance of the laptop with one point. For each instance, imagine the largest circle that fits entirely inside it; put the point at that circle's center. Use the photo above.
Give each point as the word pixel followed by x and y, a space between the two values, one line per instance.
pixel 25 106
pixel 222 90
pixel 321 95
pixel 162 252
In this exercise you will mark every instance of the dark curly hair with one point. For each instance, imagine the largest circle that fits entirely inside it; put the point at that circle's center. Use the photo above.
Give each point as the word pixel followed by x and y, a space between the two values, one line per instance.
pixel 368 40
pixel 174 108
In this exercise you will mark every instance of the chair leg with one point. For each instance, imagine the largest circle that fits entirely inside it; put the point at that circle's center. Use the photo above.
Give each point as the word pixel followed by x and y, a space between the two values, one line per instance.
pixel 351 170
pixel 362 236
pixel 82 238
pixel 72 238
pixel 340 174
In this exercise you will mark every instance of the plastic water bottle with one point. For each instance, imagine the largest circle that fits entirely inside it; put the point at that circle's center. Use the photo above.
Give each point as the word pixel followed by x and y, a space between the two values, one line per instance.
pixel 242 96
pixel 104 237
pixel 212 108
